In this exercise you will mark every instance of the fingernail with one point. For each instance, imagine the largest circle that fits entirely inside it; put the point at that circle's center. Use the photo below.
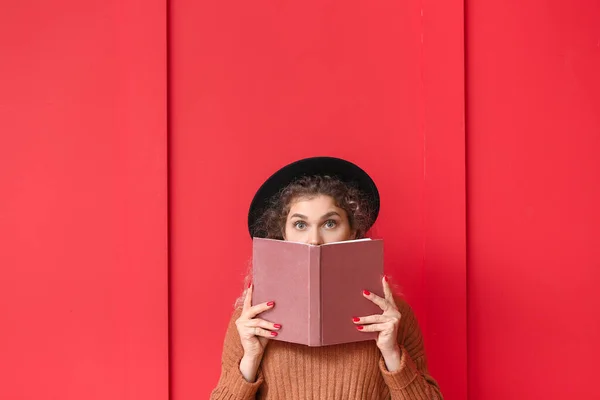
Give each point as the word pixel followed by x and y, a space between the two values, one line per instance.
pixel 355 319
pixel 277 326
pixel 366 292
pixel 360 328
pixel 385 277
pixel 273 333
pixel 271 303
pixel 249 285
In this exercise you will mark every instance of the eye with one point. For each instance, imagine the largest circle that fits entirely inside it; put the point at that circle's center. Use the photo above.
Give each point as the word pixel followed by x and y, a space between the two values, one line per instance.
pixel 330 224
pixel 300 225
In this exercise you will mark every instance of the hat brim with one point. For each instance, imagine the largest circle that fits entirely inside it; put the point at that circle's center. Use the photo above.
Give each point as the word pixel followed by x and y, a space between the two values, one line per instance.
pixel 331 166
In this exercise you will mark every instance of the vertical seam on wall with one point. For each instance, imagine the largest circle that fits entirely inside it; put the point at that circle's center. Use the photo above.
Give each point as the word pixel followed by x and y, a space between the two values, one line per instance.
pixel 422 131
pixel 465 116
pixel 169 199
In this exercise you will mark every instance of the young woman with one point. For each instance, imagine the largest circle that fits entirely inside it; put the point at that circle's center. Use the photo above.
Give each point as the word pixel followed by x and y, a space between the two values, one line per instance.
pixel 321 200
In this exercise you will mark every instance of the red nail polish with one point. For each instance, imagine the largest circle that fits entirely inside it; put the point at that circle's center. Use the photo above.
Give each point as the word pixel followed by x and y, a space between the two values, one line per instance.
pixel 249 285
pixel 271 303
pixel 385 277
pixel 355 319
pixel 366 292
pixel 277 326
pixel 273 333
pixel 360 328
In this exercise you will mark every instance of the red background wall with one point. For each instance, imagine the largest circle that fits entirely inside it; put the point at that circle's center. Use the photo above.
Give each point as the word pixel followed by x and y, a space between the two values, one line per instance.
pixel 83 176
pixel 83 212
pixel 255 87
pixel 533 178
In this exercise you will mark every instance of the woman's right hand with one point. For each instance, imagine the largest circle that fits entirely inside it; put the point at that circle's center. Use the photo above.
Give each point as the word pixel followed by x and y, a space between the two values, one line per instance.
pixel 254 334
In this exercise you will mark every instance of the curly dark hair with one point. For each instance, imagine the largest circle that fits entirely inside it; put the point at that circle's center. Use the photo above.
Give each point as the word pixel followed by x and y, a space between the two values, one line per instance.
pixel 271 224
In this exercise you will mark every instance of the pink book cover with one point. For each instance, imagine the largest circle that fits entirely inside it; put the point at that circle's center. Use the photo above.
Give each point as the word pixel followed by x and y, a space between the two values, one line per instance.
pixel 317 289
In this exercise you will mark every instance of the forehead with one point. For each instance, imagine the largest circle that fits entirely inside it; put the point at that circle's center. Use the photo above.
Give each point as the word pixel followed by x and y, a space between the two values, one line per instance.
pixel 314 205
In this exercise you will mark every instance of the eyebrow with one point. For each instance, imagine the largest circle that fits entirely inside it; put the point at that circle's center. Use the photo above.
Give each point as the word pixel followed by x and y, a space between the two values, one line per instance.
pixel 329 214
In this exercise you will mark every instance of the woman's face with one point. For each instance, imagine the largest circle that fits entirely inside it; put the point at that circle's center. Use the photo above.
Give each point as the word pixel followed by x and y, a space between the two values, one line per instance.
pixel 317 220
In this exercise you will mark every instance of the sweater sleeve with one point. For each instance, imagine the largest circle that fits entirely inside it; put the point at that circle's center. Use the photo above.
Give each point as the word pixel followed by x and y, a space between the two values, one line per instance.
pixel 412 380
pixel 232 385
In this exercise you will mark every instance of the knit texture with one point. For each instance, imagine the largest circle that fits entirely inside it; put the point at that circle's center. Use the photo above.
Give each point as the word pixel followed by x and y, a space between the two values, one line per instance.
pixel 352 371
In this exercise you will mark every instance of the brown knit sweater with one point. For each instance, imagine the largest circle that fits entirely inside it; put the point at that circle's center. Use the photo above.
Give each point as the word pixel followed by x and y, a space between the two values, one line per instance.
pixel 354 371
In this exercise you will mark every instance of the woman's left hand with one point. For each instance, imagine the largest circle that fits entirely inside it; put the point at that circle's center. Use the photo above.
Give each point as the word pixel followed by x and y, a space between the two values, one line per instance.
pixel 387 324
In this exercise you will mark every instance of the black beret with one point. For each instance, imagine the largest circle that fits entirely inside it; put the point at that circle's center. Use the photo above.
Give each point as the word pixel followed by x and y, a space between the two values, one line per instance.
pixel 335 167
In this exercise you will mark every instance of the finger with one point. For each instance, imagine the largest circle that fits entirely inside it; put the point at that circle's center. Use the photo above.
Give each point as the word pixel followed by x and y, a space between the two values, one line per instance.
pixel 261 323
pixel 386 326
pixel 381 302
pixel 263 332
pixel 387 291
pixel 248 298
pixel 371 319
pixel 257 309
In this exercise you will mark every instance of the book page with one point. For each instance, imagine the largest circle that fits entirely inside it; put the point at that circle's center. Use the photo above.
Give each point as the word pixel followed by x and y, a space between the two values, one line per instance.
pixel 347 241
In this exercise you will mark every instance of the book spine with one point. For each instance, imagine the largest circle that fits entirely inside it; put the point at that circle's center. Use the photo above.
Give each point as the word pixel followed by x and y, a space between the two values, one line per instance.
pixel 314 296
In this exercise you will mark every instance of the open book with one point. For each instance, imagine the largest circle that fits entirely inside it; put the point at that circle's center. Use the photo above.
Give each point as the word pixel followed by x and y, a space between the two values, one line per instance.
pixel 317 289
